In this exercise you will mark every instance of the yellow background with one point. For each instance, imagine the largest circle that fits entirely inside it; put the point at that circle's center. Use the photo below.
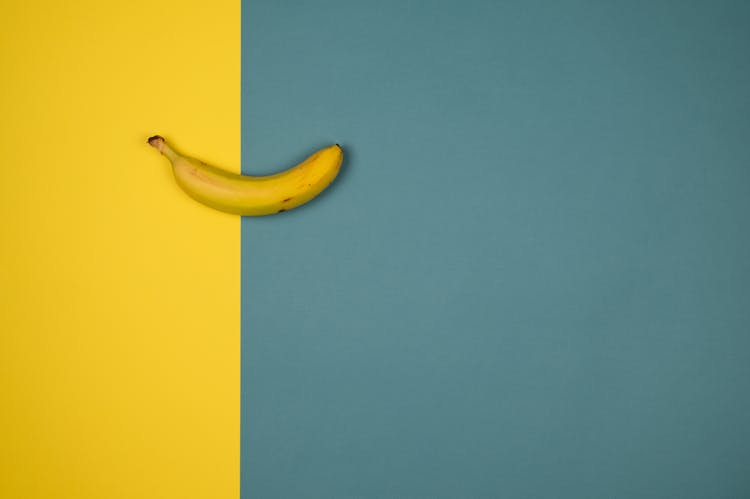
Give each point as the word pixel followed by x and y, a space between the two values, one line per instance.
pixel 119 296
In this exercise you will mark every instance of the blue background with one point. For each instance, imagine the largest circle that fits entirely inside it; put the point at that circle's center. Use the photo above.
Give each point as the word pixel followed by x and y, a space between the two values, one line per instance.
pixel 532 277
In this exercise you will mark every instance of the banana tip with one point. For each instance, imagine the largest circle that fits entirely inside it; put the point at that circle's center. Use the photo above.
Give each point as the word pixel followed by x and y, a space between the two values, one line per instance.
pixel 157 141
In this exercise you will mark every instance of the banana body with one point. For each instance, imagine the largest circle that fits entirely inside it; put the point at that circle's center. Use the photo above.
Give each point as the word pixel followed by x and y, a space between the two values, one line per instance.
pixel 253 195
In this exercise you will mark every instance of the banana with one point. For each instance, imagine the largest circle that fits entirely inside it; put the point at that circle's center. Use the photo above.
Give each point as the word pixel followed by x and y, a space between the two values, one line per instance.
pixel 253 195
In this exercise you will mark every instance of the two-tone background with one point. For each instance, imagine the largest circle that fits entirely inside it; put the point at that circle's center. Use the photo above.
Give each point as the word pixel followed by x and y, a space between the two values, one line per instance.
pixel 531 279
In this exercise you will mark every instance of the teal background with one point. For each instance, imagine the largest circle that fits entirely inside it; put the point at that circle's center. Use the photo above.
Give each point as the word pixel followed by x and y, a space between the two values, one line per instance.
pixel 531 279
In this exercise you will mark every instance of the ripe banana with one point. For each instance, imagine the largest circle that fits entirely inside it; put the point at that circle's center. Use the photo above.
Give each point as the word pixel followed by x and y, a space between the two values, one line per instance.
pixel 253 195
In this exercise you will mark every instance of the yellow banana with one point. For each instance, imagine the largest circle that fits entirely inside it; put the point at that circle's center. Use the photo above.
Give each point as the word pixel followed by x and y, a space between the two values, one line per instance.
pixel 253 195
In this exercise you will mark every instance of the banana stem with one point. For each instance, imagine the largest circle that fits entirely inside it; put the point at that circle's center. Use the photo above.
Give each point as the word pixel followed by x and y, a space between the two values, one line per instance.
pixel 158 142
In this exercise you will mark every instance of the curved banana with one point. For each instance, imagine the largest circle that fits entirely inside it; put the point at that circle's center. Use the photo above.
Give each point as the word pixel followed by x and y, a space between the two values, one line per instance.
pixel 253 195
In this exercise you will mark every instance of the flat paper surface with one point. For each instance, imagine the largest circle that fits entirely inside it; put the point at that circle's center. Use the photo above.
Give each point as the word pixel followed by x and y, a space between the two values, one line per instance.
pixel 531 279
pixel 119 295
